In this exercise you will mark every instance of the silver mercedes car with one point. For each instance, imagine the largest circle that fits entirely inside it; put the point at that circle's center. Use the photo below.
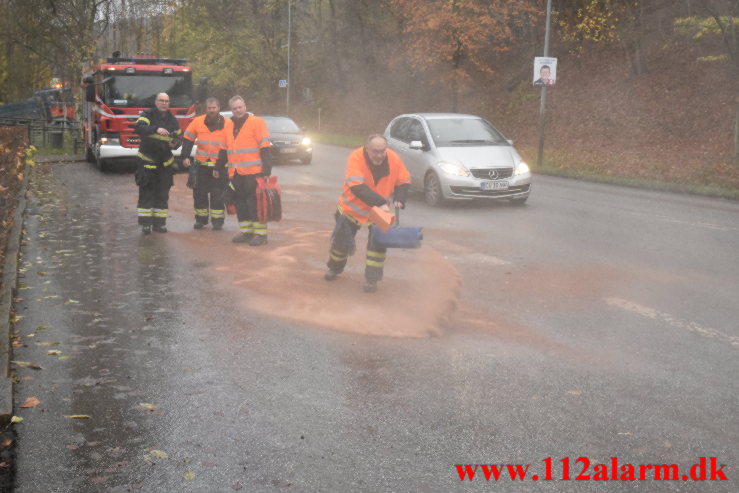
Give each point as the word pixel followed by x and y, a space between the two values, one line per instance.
pixel 457 156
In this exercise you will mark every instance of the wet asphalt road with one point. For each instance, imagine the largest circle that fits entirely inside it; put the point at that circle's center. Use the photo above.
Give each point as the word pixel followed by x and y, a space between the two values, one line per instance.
pixel 553 352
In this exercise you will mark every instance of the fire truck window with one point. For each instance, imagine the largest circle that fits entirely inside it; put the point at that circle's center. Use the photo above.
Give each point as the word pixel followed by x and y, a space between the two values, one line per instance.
pixel 139 91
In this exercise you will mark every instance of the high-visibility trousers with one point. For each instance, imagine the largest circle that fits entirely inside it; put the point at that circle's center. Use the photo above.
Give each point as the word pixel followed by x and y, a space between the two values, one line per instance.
pixel 208 196
pixel 152 208
pixel 374 259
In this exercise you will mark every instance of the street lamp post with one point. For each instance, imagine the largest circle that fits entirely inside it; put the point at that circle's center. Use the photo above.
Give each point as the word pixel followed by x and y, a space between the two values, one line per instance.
pixel 289 32
pixel 542 102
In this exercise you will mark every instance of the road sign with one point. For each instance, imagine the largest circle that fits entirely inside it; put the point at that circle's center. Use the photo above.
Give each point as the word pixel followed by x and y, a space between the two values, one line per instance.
pixel 283 83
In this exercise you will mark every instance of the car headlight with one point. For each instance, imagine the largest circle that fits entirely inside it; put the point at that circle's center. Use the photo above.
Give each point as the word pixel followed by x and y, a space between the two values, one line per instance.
pixel 521 169
pixel 453 169
pixel 306 141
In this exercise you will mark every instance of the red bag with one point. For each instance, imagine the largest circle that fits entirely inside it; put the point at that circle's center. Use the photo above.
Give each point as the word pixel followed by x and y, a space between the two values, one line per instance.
pixel 269 201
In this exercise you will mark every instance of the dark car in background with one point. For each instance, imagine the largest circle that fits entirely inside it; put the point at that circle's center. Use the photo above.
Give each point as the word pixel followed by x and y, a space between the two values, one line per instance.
pixel 289 142
pixel 288 139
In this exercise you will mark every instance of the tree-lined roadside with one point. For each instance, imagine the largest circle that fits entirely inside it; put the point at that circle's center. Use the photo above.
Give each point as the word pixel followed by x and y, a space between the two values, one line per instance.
pixel 645 90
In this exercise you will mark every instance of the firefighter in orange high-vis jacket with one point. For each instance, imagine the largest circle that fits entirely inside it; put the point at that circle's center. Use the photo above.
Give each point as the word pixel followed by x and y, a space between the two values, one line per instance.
pixel 248 159
pixel 375 175
pixel 208 173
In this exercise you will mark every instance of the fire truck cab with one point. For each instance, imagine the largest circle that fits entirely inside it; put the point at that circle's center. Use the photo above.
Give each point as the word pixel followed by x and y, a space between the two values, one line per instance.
pixel 117 91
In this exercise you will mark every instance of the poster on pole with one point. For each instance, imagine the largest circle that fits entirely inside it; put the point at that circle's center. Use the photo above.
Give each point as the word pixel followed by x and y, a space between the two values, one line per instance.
pixel 545 71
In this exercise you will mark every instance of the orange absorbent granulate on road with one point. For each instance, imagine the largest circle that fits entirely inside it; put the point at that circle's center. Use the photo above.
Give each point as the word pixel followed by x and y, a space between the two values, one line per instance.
pixel 284 278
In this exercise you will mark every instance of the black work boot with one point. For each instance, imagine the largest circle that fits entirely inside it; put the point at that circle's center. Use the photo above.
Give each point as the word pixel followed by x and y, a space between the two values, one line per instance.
pixel 331 275
pixel 242 238
pixel 258 240
pixel 198 225
pixel 217 225
pixel 370 286
pixel 160 228
pixel 146 229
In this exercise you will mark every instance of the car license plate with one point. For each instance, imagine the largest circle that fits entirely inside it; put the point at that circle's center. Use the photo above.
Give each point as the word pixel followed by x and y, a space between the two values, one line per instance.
pixel 285 150
pixel 494 185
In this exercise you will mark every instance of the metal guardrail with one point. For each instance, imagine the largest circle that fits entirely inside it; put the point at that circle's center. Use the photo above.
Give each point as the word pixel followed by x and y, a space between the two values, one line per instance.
pixel 57 135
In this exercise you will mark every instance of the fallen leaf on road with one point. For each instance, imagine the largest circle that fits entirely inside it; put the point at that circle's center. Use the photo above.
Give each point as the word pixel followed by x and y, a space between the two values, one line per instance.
pixel 147 406
pixel 63 358
pixel 77 416
pixel 42 327
pixel 72 446
pixel 55 343
pixel 159 454
pixel 26 364
pixel 574 392
pixel 31 402
pixel 189 475
pixel 68 302
pixel 54 352
pixel 16 419
pixel 237 486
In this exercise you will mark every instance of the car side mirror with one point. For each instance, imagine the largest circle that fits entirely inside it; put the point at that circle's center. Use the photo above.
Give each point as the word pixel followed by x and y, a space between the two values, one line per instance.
pixel 201 94
pixel 416 145
pixel 90 93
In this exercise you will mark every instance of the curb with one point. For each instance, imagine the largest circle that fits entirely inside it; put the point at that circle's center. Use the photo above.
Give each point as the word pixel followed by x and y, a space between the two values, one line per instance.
pixel 9 283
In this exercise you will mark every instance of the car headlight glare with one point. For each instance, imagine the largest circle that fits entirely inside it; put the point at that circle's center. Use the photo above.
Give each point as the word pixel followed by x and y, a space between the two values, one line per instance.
pixel 453 169
pixel 522 168
pixel 306 141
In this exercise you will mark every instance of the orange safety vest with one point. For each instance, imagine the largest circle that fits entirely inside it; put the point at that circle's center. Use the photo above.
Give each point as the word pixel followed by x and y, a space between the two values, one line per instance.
pixel 358 172
pixel 243 150
pixel 209 143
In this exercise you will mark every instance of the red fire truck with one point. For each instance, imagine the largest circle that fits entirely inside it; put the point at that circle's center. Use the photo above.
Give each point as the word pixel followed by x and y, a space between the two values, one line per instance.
pixel 117 90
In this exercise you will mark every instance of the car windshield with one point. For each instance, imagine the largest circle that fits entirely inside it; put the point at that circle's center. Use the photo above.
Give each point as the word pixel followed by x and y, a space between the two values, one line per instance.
pixel 454 132
pixel 281 124
pixel 140 90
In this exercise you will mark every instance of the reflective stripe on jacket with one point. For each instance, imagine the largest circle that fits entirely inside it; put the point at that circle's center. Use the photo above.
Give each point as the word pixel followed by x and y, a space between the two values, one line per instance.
pixel 243 150
pixel 156 148
pixel 209 142
pixel 358 172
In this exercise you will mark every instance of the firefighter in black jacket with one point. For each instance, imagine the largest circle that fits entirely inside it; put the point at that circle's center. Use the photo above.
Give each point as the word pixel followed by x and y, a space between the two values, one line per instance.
pixel 160 133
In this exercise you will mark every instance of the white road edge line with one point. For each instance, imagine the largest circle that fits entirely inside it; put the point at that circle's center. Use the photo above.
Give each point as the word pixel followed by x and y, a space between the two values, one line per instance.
pixel 673 321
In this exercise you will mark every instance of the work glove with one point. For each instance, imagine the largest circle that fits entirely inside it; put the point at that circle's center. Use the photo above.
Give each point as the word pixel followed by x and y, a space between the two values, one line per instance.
pixel 192 181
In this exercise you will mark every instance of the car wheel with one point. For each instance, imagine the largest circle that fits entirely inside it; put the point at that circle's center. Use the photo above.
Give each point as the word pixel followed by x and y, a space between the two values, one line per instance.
pixel 519 202
pixel 306 159
pixel 432 190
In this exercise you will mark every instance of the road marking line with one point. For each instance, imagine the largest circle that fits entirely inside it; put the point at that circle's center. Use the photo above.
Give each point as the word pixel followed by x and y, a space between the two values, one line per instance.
pixel 699 224
pixel 675 322
pixel 479 258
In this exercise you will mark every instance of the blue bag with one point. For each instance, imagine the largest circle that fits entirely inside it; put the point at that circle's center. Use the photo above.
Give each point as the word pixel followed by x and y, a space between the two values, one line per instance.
pixel 397 236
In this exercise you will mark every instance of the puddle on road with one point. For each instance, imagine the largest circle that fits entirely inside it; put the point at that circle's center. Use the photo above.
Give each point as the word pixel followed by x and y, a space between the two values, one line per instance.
pixel 417 298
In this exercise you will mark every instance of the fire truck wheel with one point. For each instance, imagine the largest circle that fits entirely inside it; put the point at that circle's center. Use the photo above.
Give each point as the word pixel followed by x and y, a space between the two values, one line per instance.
pixel 102 164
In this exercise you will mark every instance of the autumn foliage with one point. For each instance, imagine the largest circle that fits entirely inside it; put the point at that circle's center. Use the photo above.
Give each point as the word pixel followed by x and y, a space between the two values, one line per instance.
pixel 13 143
